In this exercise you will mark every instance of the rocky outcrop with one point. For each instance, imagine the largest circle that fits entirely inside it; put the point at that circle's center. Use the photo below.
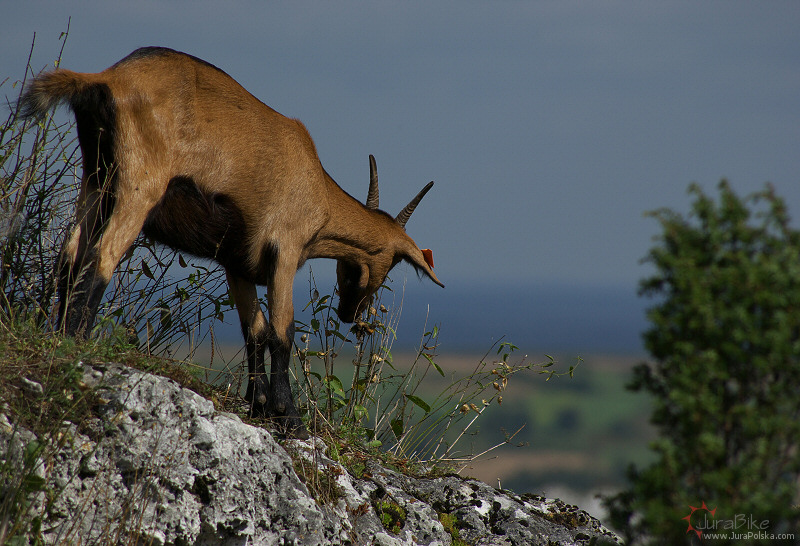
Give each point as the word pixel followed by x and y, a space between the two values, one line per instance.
pixel 157 464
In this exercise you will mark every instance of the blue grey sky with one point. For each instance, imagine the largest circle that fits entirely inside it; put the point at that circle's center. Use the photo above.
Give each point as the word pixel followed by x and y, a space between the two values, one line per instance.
pixel 549 127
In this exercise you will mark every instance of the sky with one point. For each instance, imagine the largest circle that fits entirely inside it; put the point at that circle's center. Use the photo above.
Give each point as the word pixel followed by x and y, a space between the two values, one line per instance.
pixel 548 127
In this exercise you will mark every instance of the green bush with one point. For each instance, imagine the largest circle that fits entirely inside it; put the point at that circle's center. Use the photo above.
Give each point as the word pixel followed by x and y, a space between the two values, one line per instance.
pixel 725 343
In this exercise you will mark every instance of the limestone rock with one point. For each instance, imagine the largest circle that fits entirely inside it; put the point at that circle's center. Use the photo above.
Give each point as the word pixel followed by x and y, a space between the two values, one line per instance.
pixel 157 464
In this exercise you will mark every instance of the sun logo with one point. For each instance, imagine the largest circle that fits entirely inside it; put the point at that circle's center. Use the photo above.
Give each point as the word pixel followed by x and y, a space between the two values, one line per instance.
pixel 689 517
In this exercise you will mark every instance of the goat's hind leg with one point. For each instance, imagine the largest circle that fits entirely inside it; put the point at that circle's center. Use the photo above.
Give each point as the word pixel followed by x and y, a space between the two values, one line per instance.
pixel 80 289
pixel 104 233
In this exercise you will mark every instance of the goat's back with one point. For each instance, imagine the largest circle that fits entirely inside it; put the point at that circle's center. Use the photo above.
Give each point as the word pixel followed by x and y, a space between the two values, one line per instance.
pixel 185 117
pixel 170 115
pixel 204 114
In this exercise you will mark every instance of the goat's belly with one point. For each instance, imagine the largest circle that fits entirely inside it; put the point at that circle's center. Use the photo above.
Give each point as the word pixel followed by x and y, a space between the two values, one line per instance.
pixel 205 225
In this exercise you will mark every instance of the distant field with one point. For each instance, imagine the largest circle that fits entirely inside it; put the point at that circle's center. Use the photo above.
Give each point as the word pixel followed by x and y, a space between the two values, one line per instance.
pixel 581 432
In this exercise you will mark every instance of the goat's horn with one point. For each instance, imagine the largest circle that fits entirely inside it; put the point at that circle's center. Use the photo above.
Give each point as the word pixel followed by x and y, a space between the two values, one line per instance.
pixel 405 214
pixel 372 196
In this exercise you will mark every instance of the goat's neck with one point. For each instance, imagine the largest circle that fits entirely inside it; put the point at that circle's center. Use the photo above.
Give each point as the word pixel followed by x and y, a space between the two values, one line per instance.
pixel 352 232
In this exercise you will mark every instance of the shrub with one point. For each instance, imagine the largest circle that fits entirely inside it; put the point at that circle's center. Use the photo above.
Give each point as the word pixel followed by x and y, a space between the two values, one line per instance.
pixel 725 339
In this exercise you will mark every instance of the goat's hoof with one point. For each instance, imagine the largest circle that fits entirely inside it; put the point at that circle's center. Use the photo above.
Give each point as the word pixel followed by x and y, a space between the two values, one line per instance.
pixel 291 426
pixel 259 410
pixel 297 433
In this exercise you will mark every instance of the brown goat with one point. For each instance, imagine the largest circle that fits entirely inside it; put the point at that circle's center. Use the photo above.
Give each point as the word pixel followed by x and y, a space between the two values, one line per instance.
pixel 174 147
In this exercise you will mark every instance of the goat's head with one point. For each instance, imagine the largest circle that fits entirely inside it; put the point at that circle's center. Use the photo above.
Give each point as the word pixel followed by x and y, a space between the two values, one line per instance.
pixel 359 280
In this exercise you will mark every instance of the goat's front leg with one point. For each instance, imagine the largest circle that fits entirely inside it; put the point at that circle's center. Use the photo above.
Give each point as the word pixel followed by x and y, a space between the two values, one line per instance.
pixel 280 341
pixel 255 331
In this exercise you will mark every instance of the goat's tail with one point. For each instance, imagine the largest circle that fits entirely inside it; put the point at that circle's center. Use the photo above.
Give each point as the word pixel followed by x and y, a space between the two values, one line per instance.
pixel 50 89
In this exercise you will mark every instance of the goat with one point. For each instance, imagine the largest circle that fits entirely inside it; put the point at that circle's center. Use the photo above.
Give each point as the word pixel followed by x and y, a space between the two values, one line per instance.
pixel 174 147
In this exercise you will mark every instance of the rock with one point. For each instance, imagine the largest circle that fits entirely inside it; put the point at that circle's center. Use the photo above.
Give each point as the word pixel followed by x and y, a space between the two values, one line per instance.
pixel 31 388
pixel 157 464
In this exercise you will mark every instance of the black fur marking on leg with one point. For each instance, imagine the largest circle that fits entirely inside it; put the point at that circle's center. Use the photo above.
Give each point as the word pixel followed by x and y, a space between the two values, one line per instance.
pixel 258 382
pixel 281 401
pixel 81 294
pixel 65 281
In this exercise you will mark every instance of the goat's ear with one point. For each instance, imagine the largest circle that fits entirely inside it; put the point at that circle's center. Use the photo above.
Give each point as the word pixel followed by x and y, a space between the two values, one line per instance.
pixel 353 280
pixel 352 274
pixel 427 253
pixel 363 279
pixel 422 260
